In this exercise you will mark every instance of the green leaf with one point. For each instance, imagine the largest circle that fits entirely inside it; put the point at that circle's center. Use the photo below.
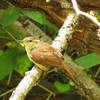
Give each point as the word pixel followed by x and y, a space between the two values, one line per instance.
pixel 7 62
pixel 89 60
pixel 1 52
pixel 9 16
pixel 51 26
pixel 3 34
pixel 11 59
pixel 62 87
pixel 24 64
pixel 40 18
pixel 34 15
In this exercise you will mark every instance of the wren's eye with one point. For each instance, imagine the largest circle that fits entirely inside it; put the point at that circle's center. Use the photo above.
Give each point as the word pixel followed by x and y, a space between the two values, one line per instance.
pixel 30 40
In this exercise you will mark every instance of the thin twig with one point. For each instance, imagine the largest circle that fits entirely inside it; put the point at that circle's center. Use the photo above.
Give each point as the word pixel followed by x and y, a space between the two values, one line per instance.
pixel 5 93
pixel 79 12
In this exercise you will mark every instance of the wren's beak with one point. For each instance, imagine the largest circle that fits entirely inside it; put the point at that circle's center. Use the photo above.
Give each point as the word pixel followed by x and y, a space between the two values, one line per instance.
pixel 21 43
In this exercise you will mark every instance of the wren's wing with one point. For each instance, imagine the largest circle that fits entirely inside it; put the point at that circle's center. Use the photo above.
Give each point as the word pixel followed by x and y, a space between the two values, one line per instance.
pixel 46 55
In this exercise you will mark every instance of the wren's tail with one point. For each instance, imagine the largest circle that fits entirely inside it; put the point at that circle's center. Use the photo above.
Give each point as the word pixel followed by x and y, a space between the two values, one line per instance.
pixel 70 71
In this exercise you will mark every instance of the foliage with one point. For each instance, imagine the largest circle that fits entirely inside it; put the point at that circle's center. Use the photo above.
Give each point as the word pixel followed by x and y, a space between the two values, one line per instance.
pixel 40 18
pixel 89 60
pixel 62 87
pixel 11 59
pixel 10 15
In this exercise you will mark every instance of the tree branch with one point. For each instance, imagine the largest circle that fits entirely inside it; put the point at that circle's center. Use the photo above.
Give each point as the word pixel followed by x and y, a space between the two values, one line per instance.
pixel 87 88
pixel 30 80
pixel 79 12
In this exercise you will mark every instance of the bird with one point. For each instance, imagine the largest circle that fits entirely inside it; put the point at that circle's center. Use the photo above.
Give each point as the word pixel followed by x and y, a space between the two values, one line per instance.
pixel 45 56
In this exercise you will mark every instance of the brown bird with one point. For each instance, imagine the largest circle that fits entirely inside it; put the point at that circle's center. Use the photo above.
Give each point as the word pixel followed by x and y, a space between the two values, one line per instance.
pixel 44 55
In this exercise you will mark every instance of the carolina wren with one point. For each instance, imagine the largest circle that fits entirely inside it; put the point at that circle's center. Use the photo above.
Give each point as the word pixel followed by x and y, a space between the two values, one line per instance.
pixel 44 55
